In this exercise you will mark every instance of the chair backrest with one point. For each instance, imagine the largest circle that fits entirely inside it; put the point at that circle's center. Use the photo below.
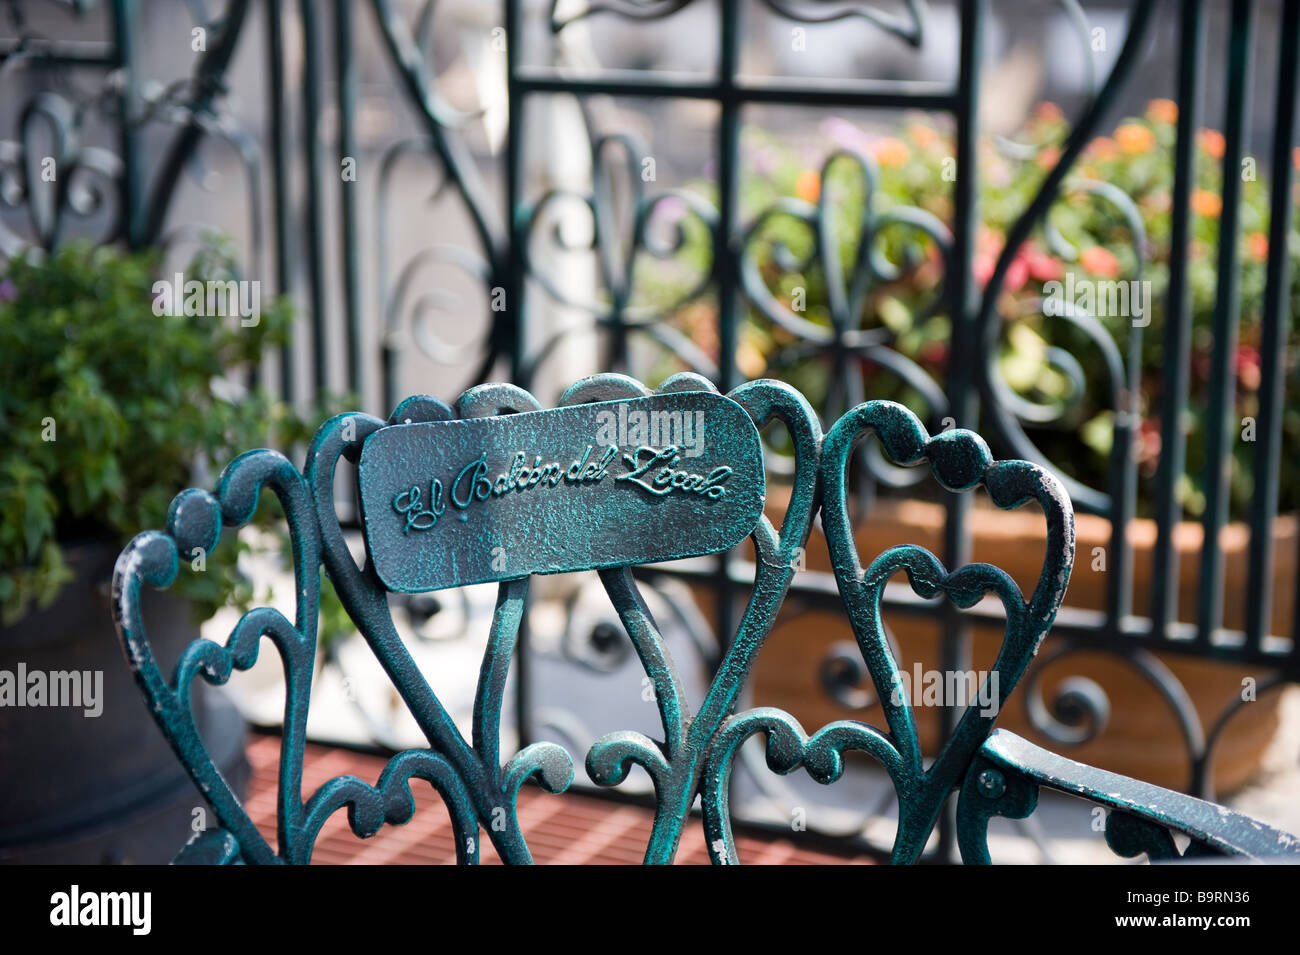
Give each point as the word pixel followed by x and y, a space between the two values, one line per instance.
pixel 498 489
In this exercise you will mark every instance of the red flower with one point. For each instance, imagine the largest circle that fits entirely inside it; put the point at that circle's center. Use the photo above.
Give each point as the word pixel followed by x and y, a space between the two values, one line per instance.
pixel 988 246
pixel 1148 445
pixel 934 352
pixel 1028 263
pixel 1017 274
pixel 1042 267
pixel 1248 370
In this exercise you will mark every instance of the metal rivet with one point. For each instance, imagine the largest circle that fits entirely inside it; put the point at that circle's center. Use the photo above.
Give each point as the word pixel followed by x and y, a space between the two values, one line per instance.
pixel 991 784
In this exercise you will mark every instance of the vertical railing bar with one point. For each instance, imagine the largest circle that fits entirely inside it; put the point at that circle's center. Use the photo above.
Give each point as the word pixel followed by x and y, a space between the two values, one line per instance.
pixel 346 94
pixel 1178 325
pixel 516 227
pixel 281 187
pixel 208 82
pixel 1272 343
pixel 1218 460
pixel 315 230
pixel 607 255
pixel 1123 491
pixel 728 191
pixel 1122 477
pixel 389 349
pixel 347 147
pixel 963 401
pixel 515 236
pixel 133 195
pixel 726 258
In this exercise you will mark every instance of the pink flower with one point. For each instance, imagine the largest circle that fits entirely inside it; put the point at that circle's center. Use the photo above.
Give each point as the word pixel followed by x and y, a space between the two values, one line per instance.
pixel 1042 267
pixel 1248 370
pixel 1148 445
pixel 1017 274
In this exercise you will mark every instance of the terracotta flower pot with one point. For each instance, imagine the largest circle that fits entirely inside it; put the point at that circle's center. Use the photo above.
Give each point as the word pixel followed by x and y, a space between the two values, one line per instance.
pixel 1142 737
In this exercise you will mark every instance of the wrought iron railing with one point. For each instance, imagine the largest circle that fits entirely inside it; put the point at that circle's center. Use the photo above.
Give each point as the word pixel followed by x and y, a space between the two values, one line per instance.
pixel 357 308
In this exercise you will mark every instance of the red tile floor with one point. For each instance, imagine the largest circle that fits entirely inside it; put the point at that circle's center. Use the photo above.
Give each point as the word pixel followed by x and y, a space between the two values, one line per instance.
pixel 561 830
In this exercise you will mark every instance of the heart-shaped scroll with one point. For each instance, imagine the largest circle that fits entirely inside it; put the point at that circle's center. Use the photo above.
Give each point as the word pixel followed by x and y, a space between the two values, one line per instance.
pixel 960 461
pixel 195 524
pixel 676 765
pixel 477 789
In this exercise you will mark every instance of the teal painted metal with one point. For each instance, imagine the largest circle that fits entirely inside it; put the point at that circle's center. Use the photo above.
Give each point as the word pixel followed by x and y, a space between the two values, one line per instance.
pixel 475 787
pixel 1005 778
pixel 1268 452
pixel 1222 430
pixel 697 753
pixel 1178 322
pixel 468 501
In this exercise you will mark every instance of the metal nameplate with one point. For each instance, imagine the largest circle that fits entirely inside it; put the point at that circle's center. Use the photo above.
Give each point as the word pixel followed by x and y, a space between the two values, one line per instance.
pixel 608 484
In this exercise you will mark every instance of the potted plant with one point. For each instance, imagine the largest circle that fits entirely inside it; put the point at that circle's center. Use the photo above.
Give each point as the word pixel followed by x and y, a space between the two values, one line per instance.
pixel 118 392
pixel 1091 241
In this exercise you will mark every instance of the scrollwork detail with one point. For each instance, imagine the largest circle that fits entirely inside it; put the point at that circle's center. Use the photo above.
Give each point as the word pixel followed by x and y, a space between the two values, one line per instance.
pixel 959 460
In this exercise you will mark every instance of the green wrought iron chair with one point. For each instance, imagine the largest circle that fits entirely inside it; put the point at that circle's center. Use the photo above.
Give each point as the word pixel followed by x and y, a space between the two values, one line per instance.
pixel 498 489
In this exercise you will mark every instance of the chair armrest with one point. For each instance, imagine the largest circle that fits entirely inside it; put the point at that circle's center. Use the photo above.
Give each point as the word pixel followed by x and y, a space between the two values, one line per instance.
pixel 1007 772
pixel 210 847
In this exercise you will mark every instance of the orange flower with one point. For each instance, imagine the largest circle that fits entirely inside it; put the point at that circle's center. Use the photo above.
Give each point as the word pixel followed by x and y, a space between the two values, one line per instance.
pixel 1212 142
pixel 890 151
pixel 1164 111
pixel 808 185
pixel 922 135
pixel 1099 261
pixel 749 359
pixel 698 321
pixel 1257 242
pixel 1048 157
pixel 1135 138
pixel 989 241
pixel 1048 112
pixel 1103 147
pixel 1206 204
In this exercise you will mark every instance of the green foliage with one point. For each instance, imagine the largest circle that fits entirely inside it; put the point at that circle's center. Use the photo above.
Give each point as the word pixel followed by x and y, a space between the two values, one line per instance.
pixel 108 410
pixel 1089 237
